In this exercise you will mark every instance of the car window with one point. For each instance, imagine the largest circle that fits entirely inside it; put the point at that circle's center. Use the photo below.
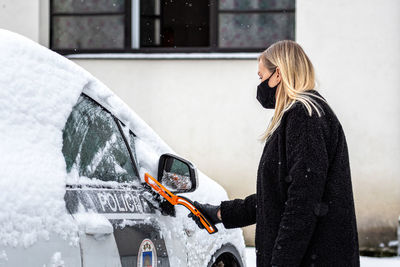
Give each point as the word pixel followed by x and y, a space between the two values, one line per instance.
pixel 93 144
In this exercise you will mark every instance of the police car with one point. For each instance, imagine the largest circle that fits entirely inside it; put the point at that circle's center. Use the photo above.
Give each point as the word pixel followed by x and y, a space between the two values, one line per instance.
pixel 72 184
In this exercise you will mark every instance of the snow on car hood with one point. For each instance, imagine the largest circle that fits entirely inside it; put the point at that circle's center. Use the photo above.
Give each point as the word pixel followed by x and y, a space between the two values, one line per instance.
pixel 38 89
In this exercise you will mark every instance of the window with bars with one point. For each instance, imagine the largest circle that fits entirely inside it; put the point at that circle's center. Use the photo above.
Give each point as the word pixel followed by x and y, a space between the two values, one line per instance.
pixel 98 26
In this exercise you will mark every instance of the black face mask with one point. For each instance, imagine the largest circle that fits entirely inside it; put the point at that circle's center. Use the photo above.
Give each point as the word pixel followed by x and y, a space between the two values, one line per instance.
pixel 266 94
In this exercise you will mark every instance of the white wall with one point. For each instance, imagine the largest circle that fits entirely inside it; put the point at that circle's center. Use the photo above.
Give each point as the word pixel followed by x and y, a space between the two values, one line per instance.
pixel 355 47
pixel 20 16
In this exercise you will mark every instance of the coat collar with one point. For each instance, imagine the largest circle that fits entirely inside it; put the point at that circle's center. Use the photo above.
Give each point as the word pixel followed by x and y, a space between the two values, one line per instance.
pixel 312 91
pixel 315 92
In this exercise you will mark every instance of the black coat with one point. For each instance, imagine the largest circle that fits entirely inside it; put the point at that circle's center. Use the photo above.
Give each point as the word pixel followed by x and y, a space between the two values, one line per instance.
pixel 304 206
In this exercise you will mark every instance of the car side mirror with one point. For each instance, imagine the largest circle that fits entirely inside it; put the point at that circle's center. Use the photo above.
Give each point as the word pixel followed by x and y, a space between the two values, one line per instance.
pixel 177 174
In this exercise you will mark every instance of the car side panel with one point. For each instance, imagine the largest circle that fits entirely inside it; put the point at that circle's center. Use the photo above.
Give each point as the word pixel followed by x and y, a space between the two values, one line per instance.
pixel 50 252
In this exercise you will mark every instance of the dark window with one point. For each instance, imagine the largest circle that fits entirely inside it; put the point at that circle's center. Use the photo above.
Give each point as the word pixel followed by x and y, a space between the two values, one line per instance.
pixel 255 23
pixel 93 145
pixel 174 23
pixel 169 25
pixel 89 24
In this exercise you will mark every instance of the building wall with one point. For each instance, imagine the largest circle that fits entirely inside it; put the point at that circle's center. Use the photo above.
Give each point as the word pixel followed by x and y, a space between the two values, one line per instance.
pixel 21 17
pixel 207 110
pixel 355 47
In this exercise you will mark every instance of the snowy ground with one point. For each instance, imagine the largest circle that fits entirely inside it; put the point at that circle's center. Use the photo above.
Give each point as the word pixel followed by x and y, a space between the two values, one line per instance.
pixel 365 261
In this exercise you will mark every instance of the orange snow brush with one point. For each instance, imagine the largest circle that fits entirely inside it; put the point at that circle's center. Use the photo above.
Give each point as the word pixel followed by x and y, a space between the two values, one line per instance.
pixel 175 200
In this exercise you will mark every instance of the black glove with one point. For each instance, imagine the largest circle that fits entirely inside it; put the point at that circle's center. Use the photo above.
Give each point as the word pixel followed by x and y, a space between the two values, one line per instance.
pixel 209 211
pixel 164 205
pixel 167 208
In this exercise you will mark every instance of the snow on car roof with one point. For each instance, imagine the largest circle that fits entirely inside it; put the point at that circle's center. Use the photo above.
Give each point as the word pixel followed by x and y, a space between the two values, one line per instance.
pixel 38 89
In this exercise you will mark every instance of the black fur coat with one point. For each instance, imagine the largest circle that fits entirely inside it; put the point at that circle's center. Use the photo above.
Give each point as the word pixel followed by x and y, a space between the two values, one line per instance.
pixel 303 207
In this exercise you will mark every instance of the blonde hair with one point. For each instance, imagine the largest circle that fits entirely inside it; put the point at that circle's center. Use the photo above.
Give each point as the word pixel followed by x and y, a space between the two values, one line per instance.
pixel 297 76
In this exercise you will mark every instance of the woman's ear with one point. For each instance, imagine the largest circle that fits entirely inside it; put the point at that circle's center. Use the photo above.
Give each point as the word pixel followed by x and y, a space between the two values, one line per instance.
pixel 278 74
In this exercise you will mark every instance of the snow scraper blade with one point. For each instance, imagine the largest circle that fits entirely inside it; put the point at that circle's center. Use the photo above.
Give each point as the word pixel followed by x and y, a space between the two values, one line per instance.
pixel 178 200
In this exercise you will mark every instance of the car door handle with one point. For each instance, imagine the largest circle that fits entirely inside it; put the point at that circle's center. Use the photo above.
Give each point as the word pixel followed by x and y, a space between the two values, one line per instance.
pixel 94 224
pixel 99 229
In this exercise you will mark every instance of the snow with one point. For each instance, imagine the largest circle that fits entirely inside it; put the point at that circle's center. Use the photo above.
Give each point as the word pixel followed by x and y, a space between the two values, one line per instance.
pixel 38 89
pixel 250 257
pixel 3 255
pixel 93 223
pixel 56 260
pixel 172 181
pixel 364 261
pixel 393 243
pixel 379 262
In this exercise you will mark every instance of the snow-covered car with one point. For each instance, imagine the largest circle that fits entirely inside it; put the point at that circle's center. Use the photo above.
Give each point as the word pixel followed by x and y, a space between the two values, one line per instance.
pixel 72 165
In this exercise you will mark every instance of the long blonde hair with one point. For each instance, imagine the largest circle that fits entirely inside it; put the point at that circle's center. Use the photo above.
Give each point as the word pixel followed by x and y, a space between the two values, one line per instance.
pixel 297 76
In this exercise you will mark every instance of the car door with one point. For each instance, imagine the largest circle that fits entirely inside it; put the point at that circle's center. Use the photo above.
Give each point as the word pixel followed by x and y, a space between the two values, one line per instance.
pixel 104 193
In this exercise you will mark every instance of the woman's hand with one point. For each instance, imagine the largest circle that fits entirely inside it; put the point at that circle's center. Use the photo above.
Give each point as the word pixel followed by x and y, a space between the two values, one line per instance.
pixel 211 212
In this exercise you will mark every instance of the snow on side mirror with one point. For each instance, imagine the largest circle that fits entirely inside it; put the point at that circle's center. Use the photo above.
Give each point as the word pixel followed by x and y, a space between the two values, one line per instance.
pixel 177 174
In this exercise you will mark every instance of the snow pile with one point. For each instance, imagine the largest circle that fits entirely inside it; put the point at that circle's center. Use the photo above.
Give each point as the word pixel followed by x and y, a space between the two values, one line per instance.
pixel 364 261
pixel 38 89
pixel 379 261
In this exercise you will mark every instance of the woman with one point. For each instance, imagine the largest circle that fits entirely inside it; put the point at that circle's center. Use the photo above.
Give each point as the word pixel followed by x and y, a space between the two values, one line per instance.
pixel 304 207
